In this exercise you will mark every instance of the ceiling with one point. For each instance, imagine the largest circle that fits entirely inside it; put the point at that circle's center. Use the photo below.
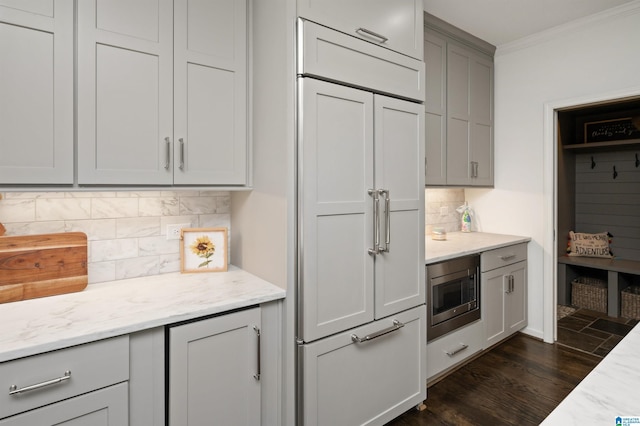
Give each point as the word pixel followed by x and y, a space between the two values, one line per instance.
pixel 504 21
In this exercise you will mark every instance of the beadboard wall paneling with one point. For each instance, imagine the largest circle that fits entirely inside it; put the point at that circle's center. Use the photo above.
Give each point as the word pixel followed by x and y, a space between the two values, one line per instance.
pixel 607 204
pixel 126 230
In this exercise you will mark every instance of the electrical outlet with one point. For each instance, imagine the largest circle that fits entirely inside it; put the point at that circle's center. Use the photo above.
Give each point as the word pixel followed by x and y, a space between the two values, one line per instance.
pixel 173 230
pixel 444 210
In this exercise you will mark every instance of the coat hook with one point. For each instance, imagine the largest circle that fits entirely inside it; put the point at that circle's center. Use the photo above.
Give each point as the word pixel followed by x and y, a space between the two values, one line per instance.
pixel 637 161
pixel 593 163
pixel 615 173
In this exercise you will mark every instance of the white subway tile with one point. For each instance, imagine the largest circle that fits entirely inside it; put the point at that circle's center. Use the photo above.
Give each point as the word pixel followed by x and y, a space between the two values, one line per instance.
pixel 17 210
pixel 32 228
pixel 137 227
pixel 158 206
pixel 197 205
pixel 169 263
pixel 63 208
pixel 100 272
pixel 215 220
pixel 137 267
pixel 149 246
pixel 90 194
pixel 114 207
pixel 113 249
pixel 96 229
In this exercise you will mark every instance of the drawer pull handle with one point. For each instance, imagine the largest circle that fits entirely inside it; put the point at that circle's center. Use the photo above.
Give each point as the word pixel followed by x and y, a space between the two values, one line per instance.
pixel 396 326
pixel 371 33
pixel 507 256
pixel 459 349
pixel 13 390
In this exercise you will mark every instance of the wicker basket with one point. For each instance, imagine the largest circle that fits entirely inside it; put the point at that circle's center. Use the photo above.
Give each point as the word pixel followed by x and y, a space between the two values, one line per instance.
pixel 589 293
pixel 630 303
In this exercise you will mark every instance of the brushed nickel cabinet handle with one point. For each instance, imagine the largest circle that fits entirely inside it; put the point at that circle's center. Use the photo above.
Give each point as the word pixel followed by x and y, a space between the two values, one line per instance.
pixel 258 335
pixel 506 257
pixel 13 389
pixel 459 349
pixel 167 154
pixel 372 34
pixel 181 140
pixel 397 325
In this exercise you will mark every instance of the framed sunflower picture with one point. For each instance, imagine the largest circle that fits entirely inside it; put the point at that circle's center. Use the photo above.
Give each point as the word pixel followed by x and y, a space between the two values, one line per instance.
pixel 203 249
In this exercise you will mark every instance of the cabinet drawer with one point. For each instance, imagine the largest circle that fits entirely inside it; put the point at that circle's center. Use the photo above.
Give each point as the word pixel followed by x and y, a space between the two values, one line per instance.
pixel 493 259
pixel 107 407
pixel 454 348
pixel 395 25
pixel 338 57
pixel 347 383
pixel 92 366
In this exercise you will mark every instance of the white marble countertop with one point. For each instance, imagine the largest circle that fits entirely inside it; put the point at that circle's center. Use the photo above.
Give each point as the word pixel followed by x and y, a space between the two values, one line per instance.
pixel 463 243
pixel 609 391
pixel 120 307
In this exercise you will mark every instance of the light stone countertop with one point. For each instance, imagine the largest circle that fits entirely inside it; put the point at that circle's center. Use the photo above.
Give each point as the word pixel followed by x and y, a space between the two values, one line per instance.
pixel 121 307
pixel 609 391
pixel 463 243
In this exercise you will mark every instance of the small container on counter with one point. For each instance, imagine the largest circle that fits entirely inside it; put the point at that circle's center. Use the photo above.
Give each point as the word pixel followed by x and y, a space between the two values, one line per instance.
pixel 438 234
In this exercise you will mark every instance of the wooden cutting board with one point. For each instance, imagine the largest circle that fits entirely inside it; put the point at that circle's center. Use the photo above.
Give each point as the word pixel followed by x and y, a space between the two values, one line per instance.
pixel 42 265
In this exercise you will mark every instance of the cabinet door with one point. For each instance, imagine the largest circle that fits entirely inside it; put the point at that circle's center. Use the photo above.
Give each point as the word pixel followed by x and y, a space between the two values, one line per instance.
pixel 458 115
pixel 125 105
pixel 435 105
pixel 504 305
pixel 493 295
pixel 470 117
pixel 481 138
pixel 348 383
pixel 516 302
pixel 370 20
pixel 36 92
pixel 399 171
pixel 107 406
pixel 210 74
pixel 214 371
pixel 336 153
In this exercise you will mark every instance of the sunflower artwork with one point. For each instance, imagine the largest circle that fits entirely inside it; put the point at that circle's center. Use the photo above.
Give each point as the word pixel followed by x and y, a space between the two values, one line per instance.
pixel 204 250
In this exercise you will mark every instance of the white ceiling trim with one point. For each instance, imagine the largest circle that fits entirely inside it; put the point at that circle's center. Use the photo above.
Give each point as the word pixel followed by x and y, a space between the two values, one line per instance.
pixel 580 23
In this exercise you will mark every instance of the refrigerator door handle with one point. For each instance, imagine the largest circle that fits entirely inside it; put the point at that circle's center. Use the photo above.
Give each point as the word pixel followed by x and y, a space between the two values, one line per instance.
pixel 397 325
pixel 376 222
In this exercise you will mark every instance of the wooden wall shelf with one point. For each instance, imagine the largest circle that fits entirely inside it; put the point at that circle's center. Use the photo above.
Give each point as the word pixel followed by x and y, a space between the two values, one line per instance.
pixel 600 145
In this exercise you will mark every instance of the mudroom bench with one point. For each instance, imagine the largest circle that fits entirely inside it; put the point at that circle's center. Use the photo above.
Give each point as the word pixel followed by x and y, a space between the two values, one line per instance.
pixel 618 273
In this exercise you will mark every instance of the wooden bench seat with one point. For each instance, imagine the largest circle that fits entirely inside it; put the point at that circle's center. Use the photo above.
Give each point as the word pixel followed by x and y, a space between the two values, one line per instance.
pixel 569 268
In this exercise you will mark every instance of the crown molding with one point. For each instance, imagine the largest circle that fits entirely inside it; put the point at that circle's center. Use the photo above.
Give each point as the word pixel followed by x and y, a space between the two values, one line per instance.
pixel 569 27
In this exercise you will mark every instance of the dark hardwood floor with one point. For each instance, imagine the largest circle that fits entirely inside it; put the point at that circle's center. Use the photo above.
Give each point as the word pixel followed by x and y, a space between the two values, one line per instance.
pixel 519 382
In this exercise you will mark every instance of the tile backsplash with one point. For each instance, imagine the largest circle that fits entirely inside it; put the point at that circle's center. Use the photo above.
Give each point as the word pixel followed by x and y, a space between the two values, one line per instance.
pixel 437 199
pixel 126 230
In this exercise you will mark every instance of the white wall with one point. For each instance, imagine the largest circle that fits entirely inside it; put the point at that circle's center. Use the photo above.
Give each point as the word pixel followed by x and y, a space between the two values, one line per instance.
pixel 586 59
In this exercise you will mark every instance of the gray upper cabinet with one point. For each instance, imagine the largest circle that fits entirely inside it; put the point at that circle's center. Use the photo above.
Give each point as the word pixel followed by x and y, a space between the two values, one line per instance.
pixel 370 21
pixel 458 106
pixel 36 92
pixel 162 94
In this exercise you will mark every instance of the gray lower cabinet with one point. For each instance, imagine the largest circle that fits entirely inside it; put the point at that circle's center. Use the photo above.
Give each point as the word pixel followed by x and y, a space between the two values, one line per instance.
pixel 351 380
pixel 214 370
pixel 82 385
pixel 106 406
pixel 503 292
